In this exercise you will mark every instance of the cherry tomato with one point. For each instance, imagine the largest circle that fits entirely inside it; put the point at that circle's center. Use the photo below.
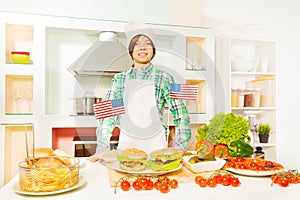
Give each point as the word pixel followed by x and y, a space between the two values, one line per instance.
pixel 242 166
pixel 136 185
pixel 164 188
pixel 269 163
pixel 231 164
pixel 211 182
pixel 253 165
pixel 202 183
pixel 218 178
pixel 173 183
pixel 283 182
pixel 143 182
pixel 294 180
pixel 149 185
pixel 125 185
pixel 235 182
pixel 275 178
pixel 197 179
pixel 157 184
pixel 260 168
pixel 225 180
pixel 239 159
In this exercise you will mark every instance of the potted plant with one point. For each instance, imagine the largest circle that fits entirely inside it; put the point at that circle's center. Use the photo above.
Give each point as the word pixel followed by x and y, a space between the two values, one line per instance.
pixel 264 132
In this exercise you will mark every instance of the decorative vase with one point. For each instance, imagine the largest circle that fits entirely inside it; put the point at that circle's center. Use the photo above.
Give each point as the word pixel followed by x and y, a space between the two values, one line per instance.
pixel 263 138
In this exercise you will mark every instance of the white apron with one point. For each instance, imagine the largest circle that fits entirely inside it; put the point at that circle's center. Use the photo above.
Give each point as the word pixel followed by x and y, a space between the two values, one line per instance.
pixel 140 126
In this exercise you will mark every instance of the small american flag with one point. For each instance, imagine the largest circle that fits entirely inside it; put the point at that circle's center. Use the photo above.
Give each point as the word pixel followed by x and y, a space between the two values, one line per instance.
pixel 184 91
pixel 108 108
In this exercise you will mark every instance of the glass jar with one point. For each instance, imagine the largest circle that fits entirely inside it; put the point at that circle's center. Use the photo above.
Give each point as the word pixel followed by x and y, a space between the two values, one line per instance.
pixel 248 97
pixel 240 98
pixel 233 97
pixel 256 97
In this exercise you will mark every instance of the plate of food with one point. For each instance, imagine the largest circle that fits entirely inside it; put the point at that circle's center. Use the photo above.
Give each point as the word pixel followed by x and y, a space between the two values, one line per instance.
pixel 108 156
pixel 252 166
pixel 19 190
pixel 158 162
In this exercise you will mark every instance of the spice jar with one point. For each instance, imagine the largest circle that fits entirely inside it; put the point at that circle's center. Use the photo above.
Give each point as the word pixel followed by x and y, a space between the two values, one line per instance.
pixel 256 97
pixel 248 97
pixel 240 98
pixel 233 97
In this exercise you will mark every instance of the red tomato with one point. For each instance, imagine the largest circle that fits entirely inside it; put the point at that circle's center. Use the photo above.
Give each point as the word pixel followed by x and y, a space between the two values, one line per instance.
pixel 239 159
pixel 225 180
pixel 253 165
pixel 157 184
pixel 294 180
pixel 149 185
pixel 197 179
pixel 136 185
pixel 231 165
pixel 202 183
pixel 211 182
pixel 218 178
pixel 143 182
pixel 173 183
pixel 260 168
pixel 125 185
pixel 242 166
pixel 164 188
pixel 283 182
pixel 235 182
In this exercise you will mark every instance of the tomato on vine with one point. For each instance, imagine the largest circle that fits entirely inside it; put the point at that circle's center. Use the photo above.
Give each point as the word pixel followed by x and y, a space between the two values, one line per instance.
pixel 125 185
pixel 173 183
pixel 164 188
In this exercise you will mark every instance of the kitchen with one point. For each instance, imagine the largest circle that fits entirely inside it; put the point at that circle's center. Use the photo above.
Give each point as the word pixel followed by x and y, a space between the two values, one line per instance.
pixel 216 13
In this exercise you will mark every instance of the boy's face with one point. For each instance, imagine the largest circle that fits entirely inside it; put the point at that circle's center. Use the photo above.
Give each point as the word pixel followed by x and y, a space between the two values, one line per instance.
pixel 143 51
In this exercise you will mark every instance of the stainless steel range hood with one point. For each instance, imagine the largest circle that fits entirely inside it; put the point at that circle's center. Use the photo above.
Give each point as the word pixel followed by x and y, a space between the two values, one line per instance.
pixel 105 57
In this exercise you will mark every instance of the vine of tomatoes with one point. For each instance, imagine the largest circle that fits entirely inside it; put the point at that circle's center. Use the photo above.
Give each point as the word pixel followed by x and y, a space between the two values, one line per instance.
pixel 160 183
pixel 285 178
pixel 225 179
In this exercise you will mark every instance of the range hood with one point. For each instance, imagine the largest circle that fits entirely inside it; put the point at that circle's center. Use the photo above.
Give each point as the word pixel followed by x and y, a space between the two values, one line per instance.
pixel 105 57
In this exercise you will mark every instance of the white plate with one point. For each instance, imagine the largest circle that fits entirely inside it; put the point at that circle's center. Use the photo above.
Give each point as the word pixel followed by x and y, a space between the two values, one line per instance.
pixel 248 172
pixel 116 166
pixel 204 166
pixel 108 156
pixel 17 189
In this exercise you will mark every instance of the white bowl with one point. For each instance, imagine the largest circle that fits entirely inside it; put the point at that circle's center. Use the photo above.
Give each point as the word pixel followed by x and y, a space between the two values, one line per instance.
pixel 205 165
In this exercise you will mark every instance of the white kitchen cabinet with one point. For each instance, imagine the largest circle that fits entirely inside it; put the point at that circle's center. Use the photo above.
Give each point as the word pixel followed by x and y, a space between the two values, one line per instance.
pixel 54 44
pixel 247 63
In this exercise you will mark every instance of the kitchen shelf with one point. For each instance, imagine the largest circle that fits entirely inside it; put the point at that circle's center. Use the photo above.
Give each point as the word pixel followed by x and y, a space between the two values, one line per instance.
pixel 243 63
pixel 19 94
pixel 18 38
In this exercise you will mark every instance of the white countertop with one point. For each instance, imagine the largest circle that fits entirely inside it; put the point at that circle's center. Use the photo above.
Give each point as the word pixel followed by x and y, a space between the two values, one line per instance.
pixel 98 187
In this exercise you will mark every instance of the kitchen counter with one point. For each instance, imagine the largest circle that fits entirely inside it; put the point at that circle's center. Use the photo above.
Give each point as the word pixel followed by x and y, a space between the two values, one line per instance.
pixel 98 187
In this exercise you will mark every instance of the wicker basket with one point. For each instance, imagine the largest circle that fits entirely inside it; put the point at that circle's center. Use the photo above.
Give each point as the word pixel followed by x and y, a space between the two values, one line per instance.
pixel 33 178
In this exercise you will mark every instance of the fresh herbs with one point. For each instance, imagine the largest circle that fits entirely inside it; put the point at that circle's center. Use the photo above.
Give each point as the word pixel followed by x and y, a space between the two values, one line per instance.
pixel 224 129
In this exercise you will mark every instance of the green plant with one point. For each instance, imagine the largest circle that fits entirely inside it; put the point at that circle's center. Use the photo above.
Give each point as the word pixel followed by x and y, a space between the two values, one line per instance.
pixel 225 128
pixel 264 129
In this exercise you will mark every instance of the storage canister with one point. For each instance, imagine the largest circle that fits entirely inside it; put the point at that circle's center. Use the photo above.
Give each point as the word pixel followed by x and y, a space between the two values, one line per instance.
pixel 256 97
pixel 267 93
pixel 240 98
pixel 248 93
pixel 233 97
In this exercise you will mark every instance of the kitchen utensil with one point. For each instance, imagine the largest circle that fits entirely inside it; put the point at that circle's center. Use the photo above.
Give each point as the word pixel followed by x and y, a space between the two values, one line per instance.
pixel 84 105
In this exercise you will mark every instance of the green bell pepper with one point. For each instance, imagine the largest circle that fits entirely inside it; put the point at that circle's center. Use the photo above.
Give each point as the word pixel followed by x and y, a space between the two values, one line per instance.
pixel 240 148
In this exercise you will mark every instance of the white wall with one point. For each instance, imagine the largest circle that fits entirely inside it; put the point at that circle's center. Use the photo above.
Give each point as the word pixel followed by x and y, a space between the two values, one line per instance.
pixel 280 18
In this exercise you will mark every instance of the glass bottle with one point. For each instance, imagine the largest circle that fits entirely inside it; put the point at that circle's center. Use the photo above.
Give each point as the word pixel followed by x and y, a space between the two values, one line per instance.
pixel 240 98
pixel 233 97
pixel 259 153
pixel 256 97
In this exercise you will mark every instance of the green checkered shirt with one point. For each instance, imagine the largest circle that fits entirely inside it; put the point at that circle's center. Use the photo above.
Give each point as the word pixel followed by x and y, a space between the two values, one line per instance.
pixel 162 81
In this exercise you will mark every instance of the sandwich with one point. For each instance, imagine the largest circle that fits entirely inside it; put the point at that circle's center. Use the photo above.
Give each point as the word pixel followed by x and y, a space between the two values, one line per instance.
pixel 165 159
pixel 133 159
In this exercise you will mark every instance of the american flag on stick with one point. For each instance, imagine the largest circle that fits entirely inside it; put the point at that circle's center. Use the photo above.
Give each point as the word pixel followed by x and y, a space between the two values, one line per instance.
pixel 184 91
pixel 108 108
